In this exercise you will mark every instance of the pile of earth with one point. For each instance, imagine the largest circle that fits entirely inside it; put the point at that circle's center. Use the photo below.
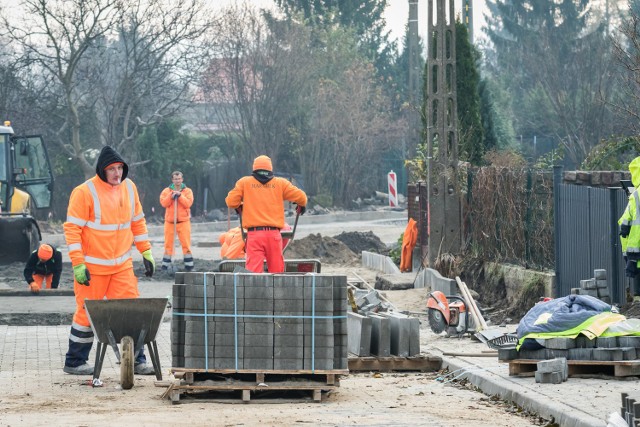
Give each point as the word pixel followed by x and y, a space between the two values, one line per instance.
pixel 327 249
pixel 358 242
pixel 631 310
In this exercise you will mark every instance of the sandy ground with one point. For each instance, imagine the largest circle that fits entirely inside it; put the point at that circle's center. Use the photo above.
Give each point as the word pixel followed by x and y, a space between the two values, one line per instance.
pixel 398 399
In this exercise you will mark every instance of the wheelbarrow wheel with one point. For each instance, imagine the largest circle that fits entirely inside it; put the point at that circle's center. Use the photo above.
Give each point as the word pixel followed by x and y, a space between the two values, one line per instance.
pixel 126 363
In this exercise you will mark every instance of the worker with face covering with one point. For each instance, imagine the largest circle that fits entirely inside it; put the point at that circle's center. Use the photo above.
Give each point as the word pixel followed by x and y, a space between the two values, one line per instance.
pixel 630 231
pixel 43 269
pixel 104 220
pixel 259 198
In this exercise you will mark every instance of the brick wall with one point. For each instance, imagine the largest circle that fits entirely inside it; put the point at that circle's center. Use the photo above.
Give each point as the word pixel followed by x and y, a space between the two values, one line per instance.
pixel 596 178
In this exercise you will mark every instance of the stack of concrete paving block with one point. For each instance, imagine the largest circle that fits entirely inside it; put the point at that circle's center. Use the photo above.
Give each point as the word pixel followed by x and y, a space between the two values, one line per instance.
pixel 604 349
pixel 597 286
pixel 553 371
pixel 630 409
pixel 383 334
pixel 259 321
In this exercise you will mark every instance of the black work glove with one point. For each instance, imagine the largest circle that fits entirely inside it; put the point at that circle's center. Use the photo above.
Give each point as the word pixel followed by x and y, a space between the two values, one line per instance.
pixel 625 229
pixel 175 196
pixel 148 262
pixel 632 269
pixel 301 210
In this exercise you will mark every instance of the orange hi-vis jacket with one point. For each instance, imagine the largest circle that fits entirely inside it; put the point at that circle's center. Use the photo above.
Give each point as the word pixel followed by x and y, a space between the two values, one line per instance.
pixel 103 222
pixel 263 204
pixel 184 204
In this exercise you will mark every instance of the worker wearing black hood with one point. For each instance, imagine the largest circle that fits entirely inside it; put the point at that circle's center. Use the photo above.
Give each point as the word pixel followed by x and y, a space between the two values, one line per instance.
pixel 104 220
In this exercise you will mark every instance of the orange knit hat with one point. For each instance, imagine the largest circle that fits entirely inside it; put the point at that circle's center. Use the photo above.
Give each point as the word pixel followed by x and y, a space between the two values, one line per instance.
pixel 45 252
pixel 262 163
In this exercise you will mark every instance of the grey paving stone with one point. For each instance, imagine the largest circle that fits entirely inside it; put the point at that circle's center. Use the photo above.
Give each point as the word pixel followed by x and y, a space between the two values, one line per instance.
pixel 600 274
pixel 580 354
pixel 607 342
pixel 584 342
pixel 380 336
pixel 629 341
pixel 549 378
pixel 560 343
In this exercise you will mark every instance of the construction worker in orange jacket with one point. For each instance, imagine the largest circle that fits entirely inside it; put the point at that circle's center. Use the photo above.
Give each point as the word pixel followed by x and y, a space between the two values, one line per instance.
pixel 43 268
pixel 259 198
pixel 104 220
pixel 177 200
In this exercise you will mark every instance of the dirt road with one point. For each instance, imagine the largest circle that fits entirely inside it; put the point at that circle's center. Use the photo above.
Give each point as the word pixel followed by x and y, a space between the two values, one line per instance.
pixel 37 392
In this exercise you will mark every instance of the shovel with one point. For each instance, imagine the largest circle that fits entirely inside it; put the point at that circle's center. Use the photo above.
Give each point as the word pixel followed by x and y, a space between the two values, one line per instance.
pixel 173 268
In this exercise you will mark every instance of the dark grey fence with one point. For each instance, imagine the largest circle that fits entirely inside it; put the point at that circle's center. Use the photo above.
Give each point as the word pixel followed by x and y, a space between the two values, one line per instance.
pixel 586 235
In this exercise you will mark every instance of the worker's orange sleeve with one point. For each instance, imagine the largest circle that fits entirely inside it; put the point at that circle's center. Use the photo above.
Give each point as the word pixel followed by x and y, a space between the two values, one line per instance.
pixel 139 224
pixel 80 206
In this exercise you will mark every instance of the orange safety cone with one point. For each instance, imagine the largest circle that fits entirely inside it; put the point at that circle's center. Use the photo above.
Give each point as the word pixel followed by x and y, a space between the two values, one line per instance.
pixel 408 243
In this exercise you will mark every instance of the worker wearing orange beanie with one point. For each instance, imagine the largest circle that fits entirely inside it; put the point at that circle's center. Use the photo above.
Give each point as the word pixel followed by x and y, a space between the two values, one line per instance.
pixel 44 268
pixel 259 198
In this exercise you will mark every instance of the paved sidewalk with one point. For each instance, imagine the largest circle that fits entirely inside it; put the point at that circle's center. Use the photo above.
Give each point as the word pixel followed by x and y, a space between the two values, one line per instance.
pixel 575 403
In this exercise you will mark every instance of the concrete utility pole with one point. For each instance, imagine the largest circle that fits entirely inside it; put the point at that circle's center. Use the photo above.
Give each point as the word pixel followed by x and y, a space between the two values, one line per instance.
pixel 444 204
pixel 467 17
pixel 414 77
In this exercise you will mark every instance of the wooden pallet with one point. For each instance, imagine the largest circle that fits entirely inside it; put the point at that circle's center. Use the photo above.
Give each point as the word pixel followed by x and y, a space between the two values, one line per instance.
pixel 240 386
pixel 623 368
pixel 421 363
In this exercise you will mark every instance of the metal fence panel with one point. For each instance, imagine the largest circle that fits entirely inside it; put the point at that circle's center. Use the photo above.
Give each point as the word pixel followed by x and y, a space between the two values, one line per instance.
pixel 587 237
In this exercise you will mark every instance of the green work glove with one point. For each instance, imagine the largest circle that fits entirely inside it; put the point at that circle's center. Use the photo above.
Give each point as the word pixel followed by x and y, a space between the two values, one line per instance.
pixel 81 274
pixel 149 263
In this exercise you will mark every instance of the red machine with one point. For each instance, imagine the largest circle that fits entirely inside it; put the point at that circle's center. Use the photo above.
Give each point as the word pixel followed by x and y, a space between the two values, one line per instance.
pixel 447 313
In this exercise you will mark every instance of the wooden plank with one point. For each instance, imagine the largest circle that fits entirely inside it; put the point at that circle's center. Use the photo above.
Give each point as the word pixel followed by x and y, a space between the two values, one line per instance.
pixel 619 368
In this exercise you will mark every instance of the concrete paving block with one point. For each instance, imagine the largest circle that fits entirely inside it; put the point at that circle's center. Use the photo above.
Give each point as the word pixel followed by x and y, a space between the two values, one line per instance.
pixel 603 292
pixel 414 336
pixel 359 333
pixel 400 334
pixel 629 341
pixel 288 364
pixel 628 353
pixel 507 354
pixel 549 378
pixel 533 354
pixel 552 353
pixel 600 274
pixel 601 284
pixel 584 342
pixel 580 354
pixel 430 278
pixel 607 342
pixel 591 292
pixel 588 284
pixel 603 354
pixel 552 365
pixel 380 336
pixel 560 343
pixel 575 291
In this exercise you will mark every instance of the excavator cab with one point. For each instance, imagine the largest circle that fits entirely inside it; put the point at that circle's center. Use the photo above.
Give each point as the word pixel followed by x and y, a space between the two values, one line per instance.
pixel 26 184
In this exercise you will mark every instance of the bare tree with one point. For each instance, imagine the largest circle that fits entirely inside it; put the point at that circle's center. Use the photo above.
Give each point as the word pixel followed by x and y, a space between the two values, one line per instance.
pixel 351 130
pixel 255 83
pixel 129 64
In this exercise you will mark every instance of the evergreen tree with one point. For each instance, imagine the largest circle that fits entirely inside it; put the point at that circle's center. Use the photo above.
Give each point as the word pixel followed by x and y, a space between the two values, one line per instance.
pixel 553 58
pixel 471 138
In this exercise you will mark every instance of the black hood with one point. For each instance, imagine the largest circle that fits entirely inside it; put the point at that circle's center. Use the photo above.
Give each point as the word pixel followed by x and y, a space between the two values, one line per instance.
pixel 263 176
pixel 108 156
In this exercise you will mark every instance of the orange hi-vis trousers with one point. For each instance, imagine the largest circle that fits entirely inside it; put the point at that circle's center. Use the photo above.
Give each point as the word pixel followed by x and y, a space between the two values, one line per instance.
pixel 184 236
pixel 123 284
pixel 264 245
pixel 43 281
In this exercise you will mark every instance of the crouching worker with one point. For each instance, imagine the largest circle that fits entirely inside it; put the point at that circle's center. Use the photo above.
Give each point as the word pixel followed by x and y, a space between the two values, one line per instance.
pixel 43 269
pixel 104 220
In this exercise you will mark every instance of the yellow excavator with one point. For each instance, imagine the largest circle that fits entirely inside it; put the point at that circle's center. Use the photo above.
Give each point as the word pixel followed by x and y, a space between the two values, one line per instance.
pixel 26 185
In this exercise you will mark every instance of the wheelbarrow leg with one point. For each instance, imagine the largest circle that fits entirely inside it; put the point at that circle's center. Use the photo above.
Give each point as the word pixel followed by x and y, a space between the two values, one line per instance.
pixel 140 341
pixel 155 358
pixel 100 352
pixel 113 344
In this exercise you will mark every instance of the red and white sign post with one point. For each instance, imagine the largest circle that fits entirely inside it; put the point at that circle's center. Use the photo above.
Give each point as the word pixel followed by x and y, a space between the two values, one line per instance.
pixel 392 180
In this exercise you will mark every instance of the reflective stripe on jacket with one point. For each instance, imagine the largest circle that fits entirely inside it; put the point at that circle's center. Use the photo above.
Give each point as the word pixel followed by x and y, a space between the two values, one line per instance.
pixel 263 204
pixel 103 222
pixel 184 203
